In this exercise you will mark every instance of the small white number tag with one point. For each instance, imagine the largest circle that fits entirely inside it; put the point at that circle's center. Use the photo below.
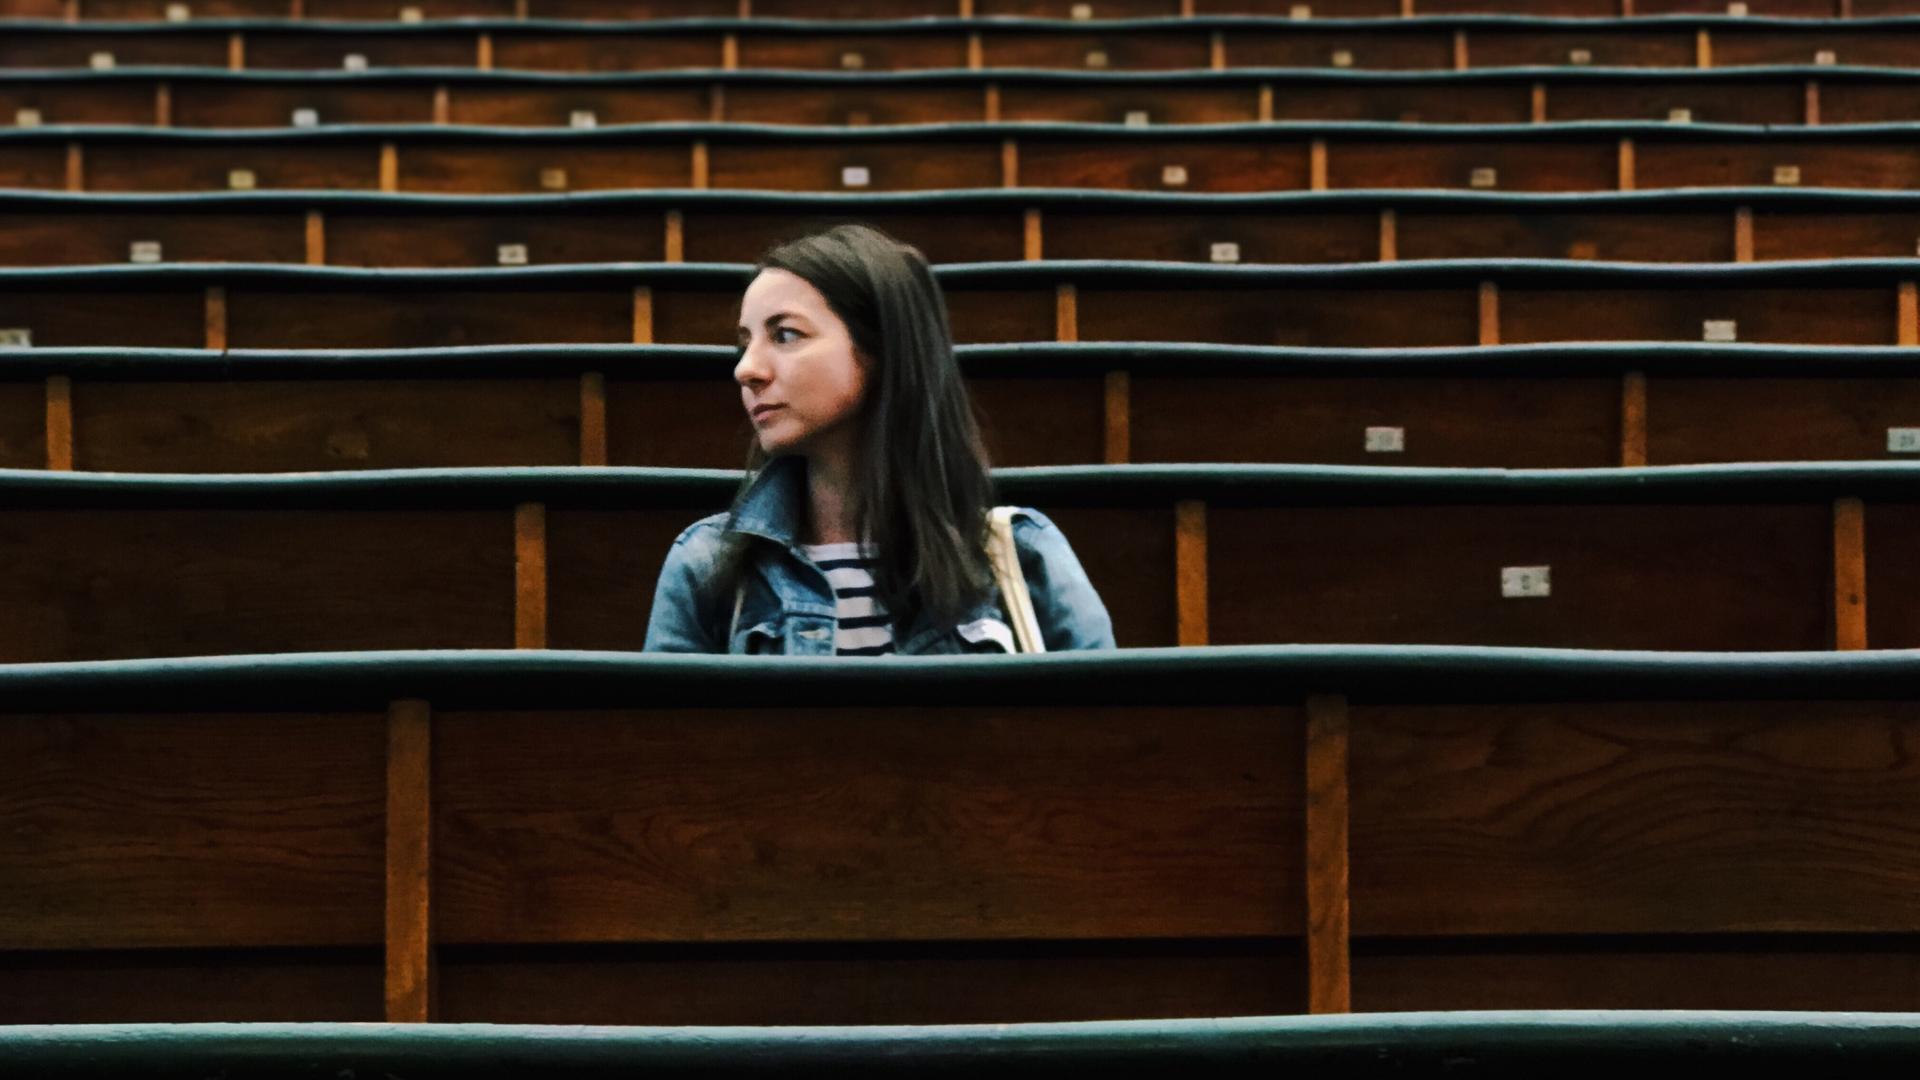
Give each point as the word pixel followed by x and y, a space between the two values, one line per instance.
pixel 1903 440
pixel 412 14
pixel 1174 175
pixel 1300 11
pixel 583 118
pixel 1680 116
pixel 1138 118
pixel 16 338
pixel 1579 56
pixel 1081 11
pixel 144 251
pixel 27 118
pixel 1225 251
pixel 1386 440
pixel 513 254
pixel 852 61
pixel 354 62
pixel 1826 57
pixel 1525 581
pixel 1737 7
pixel 242 179
pixel 553 179
pixel 1484 177
pixel 306 118
pixel 855 176
pixel 1719 330
pixel 100 61
pixel 1097 58
pixel 1343 58
pixel 179 13
pixel 1786 175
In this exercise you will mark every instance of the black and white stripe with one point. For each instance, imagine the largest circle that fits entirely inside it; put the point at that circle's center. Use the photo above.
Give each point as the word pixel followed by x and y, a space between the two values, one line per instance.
pixel 862 627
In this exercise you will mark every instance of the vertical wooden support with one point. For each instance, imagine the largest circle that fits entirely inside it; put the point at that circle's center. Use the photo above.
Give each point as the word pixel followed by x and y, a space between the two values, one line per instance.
pixel 316 238
pixel 389 167
pixel 1033 240
pixel 643 314
pixel 296 9
pixel 1389 235
pixel 1849 574
pixel 530 576
pixel 236 51
pixel 675 244
pixel 700 165
pixel 1460 58
pixel 730 52
pixel 1812 118
pixel 593 418
pixel 976 52
pixel 1119 425
pixel 1538 108
pixel 1317 165
pixel 442 105
pixel 76 167
pixel 1703 49
pixel 1187 8
pixel 1626 9
pixel 409 982
pixel 1217 51
pixel 966 9
pixel 1190 571
pixel 1009 163
pixel 1264 111
pixel 1489 313
pixel 217 318
pixel 1843 9
pixel 60 423
pixel 483 52
pixel 1066 312
pixel 163 104
pixel 522 9
pixel 717 102
pixel 70 11
pixel 1633 419
pixel 745 10
pixel 1743 234
pixel 990 106
pixel 1406 9
pixel 1329 933
pixel 1628 179
pixel 1909 315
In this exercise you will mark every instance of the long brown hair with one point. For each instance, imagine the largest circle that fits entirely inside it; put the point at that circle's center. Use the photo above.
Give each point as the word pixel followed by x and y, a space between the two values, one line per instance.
pixel 922 486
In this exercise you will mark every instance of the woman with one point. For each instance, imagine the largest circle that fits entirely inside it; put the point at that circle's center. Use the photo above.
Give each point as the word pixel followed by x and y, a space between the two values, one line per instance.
pixel 860 528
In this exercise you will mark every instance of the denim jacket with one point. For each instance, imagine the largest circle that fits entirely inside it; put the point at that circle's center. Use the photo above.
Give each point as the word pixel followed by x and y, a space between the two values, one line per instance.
pixel 788 605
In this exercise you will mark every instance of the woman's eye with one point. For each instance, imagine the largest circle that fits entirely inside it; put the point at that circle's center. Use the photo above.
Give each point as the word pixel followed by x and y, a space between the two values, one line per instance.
pixel 784 330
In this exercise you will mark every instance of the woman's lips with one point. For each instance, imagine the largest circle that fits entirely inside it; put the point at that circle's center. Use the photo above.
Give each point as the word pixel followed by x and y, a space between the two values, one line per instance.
pixel 763 411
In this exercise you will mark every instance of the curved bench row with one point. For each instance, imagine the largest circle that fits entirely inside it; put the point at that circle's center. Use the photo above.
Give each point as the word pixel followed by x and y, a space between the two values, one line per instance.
pixel 1295 155
pixel 1583 406
pixel 1773 556
pixel 1157 44
pixel 188 97
pixel 624 839
pixel 391 229
pixel 1376 305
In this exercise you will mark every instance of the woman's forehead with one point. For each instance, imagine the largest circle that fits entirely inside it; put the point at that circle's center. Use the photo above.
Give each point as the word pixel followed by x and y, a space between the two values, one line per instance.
pixel 772 290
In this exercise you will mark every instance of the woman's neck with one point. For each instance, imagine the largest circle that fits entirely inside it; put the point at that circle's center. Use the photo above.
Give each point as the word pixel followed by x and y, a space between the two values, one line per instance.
pixel 830 496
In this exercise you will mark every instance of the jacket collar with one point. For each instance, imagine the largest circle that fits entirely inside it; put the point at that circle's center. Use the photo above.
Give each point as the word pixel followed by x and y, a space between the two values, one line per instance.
pixel 774 501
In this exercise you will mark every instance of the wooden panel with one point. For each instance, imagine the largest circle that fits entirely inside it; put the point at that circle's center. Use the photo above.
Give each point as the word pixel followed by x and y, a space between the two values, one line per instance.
pixel 419 237
pixel 1591 9
pixel 82 317
pixel 1776 101
pixel 1590 165
pixel 296 49
pixel 1041 421
pixel 944 234
pixel 192 986
pixel 23 424
pixel 507 167
pixel 1461 420
pixel 41 238
pixel 965 983
pixel 78 103
pixel 1464 103
pixel 1159 50
pixel 1061 9
pixel 803 9
pixel 1845 165
pixel 1702 235
pixel 72 48
pixel 602 566
pixel 1797 9
pixel 696 316
pixel 1635 817
pixel 1623 577
pixel 1529 46
pixel 1222 166
pixel 987 315
pixel 886 104
pixel 1893 578
pixel 1843 101
pixel 387 9
pixel 1834 234
pixel 1324 235
pixel 1776 972
pixel 1742 45
pixel 34 165
pixel 1128 555
pixel 210 104
pixel 644 9
pixel 1297 47
pixel 548 106
pixel 1831 315
pixel 1279 315
pixel 86 585
pixel 677 423
pixel 561 51
pixel 1096 104
pixel 835 823
pixel 321 424
pixel 892 166
pixel 171 829
pixel 260 318
pixel 897 50
pixel 136 166
pixel 1776 419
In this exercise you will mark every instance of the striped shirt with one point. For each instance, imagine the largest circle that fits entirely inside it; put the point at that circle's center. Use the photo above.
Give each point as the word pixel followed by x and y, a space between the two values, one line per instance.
pixel 862 627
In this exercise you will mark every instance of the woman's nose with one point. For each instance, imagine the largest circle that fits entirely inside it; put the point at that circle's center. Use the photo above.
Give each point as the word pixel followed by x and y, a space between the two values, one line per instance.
pixel 750 370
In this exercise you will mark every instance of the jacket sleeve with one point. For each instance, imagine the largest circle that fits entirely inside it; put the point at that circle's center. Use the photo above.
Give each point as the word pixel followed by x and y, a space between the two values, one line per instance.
pixel 677 623
pixel 1071 613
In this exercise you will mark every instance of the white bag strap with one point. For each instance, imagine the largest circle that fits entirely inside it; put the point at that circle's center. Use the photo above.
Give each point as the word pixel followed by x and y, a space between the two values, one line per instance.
pixel 739 596
pixel 1013 583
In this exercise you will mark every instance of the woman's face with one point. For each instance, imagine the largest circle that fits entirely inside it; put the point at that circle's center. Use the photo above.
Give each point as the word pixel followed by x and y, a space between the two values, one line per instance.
pixel 798 361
